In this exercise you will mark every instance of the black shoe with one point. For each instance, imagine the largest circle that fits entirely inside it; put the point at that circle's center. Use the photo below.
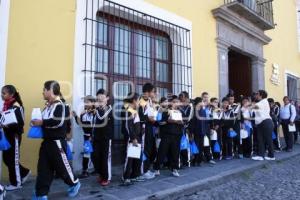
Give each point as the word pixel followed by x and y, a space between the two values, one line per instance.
pixel 94 173
pixel 289 150
pixel 84 174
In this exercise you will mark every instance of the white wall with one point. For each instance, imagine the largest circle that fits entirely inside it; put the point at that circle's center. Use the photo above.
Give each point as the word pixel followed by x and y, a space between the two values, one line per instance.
pixel 4 19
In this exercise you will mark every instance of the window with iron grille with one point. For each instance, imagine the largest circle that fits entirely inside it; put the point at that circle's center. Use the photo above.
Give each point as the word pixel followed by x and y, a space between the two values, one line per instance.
pixel 125 49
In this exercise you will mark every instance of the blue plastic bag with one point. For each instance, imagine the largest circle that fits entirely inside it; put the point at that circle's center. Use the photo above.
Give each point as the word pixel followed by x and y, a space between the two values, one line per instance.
pixel 35 132
pixel 144 157
pixel 4 144
pixel 273 136
pixel 69 153
pixel 232 134
pixel 193 147
pixel 248 129
pixel 217 148
pixel 159 116
pixel 87 147
pixel 184 144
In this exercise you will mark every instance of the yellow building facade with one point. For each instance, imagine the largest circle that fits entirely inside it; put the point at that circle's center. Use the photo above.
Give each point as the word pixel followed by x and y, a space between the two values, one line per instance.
pixel 195 45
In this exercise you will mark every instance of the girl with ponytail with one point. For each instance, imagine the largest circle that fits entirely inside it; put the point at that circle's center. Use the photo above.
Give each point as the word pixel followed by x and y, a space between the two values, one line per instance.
pixel 13 132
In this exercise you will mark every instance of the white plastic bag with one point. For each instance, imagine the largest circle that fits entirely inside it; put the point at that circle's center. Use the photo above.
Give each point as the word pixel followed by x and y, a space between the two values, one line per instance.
pixel 243 133
pixel 213 135
pixel 134 151
pixel 36 114
pixel 206 141
pixel 9 117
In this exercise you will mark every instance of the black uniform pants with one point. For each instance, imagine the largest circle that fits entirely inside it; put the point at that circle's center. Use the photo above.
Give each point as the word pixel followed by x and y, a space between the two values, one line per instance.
pixel 86 157
pixel 264 137
pixel 132 167
pixel 204 152
pixel 227 143
pixel 52 158
pixel 102 158
pixel 149 148
pixel 288 136
pixel 169 145
pixel 11 159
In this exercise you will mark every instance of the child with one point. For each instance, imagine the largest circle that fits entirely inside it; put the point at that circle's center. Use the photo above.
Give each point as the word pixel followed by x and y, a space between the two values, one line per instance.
pixel 13 132
pixel 186 110
pixel 216 115
pixel 132 124
pixel 102 135
pixel 52 156
pixel 227 123
pixel 201 132
pixel 86 120
pixel 148 143
pixel 236 109
pixel 246 126
pixel 170 133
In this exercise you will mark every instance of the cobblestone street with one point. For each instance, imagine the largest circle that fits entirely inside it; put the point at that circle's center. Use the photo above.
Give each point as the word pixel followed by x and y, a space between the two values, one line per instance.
pixel 280 180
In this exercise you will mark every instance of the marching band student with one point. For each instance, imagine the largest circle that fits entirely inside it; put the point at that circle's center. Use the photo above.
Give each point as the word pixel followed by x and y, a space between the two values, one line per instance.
pixel 86 120
pixel 148 142
pixel 216 115
pixel 102 136
pixel 235 107
pixel 201 129
pixel 132 168
pixel 52 156
pixel 246 125
pixel 186 110
pixel 227 123
pixel 13 132
pixel 170 132
pixel 275 114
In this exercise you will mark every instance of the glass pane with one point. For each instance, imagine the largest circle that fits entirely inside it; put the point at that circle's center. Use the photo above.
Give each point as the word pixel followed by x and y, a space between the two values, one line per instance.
pixel 101 60
pixel 121 90
pixel 102 31
pixel 161 92
pixel 100 84
pixel 162 51
pixel 143 52
pixel 122 49
pixel 139 89
pixel 161 72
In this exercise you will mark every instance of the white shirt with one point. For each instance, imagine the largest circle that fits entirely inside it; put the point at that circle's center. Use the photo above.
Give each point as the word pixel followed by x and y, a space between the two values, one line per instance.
pixel 263 111
pixel 288 112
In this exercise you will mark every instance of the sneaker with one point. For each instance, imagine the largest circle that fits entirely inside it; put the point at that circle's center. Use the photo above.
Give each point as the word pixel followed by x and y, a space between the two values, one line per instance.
pixel 42 198
pixel 149 175
pixel 12 187
pixel 258 158
pixel 2 194
pixel 269 158
pixel 140 179
pixel 127 182
pixel 241 156
pixel 104 182
pixel 212 162
pixel 73 191
pixel 175 173
pixel 157 172
pixel 25 178
pixel 229 158
pixel 84 174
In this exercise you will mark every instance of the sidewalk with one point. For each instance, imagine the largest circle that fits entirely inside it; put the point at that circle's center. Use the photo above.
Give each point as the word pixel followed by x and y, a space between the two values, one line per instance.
pixel 159 188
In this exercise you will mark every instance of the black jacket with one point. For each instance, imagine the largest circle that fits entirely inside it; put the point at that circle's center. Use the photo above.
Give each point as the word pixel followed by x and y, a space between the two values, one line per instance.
pixel 132 125
pixel 86 121
pixel 103 123
pixel 55 121
pixel 17 128
pixel 228 119
pixel 167 128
